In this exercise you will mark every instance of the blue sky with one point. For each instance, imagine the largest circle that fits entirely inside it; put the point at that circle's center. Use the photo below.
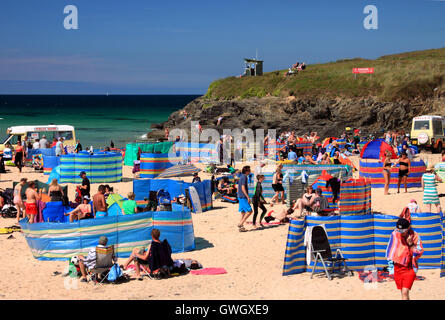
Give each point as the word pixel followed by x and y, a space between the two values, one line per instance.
pixel 149 47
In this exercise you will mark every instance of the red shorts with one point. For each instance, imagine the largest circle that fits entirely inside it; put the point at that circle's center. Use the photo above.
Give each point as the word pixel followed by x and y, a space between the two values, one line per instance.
pixel 404 276
pixel 31 208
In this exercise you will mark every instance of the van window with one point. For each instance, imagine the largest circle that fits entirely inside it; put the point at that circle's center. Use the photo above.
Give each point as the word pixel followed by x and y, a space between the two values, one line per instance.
pixel 422 125
pixel 11 139
pixel 437 127
pixel 67 135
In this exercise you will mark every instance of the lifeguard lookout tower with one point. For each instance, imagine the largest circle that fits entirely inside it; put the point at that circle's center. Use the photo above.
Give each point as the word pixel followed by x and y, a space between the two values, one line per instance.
pixel 253 68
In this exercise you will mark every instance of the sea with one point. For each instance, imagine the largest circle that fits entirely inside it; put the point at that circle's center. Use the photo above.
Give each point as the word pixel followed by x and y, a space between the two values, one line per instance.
pixel 97 119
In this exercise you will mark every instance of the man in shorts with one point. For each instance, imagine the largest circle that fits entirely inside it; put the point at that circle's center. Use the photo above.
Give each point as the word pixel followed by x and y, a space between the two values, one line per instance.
pixel 99 204
pixel 243 198
pixel 31 202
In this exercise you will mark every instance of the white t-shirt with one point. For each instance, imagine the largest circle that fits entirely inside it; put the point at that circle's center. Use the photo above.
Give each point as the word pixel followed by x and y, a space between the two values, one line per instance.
pixel 42 143
pixel 36 145
pixel 413 207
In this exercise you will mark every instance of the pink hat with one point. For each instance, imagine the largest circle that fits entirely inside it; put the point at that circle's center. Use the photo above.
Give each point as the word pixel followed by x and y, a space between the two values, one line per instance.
pixel 413 200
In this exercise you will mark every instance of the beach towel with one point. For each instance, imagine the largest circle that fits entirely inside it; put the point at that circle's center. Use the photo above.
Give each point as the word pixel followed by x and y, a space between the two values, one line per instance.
pixel 379 276
pixel 209 271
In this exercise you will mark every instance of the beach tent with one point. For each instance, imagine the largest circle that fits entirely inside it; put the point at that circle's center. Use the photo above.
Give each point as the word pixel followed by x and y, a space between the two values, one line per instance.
pixel 375 149
pixel 115 202
pixel 55 174
pixel 178 170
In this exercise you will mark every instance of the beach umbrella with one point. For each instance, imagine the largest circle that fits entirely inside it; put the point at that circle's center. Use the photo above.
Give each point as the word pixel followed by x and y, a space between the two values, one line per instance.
pixel 326 141
pixel 375 149
pixel 178 170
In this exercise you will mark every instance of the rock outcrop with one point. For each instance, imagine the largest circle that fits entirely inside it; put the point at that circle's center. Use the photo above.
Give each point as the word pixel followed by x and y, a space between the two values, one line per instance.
pixel 328 117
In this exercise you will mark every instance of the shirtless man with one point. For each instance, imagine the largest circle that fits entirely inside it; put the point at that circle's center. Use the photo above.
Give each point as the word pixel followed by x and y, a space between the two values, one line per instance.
pixel 31 202
pixel 99 204
pixel 18 202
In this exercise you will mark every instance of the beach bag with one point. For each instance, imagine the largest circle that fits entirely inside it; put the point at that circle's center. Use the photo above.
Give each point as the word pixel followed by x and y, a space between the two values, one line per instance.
pixel 115 273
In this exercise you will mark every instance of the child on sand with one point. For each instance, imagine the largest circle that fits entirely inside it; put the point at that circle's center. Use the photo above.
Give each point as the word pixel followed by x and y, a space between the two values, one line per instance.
pixel 258 201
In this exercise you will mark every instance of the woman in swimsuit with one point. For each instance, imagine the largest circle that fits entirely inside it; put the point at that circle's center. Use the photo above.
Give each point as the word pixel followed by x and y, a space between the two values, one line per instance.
pixel 277 185
pixel 306 201
pixel 55 191
pixel 18 202
pixel 387 170
pixel 404 168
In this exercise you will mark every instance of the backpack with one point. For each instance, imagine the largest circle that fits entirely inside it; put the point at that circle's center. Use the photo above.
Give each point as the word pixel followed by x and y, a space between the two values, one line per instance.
pixel 115 273
pixel 163 197
pixel 78 198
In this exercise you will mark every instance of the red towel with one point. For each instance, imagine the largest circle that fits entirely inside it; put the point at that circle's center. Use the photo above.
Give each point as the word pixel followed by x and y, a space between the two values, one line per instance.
pixel 209 271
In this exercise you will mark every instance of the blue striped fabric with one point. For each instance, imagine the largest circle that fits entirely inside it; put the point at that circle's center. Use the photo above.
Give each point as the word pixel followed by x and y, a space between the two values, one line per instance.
pixel 429 227
pixel 295 256
pixel 334 170
pixel 363 239
pixel 374 171
pixel 105 167
pixel 442 264
pixel 197 152
pixel 383 227
pixel 333 229
pixel 60 241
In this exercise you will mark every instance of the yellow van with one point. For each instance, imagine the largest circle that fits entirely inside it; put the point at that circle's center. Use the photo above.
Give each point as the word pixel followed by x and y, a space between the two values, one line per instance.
pixel 427 132
pixel 37 132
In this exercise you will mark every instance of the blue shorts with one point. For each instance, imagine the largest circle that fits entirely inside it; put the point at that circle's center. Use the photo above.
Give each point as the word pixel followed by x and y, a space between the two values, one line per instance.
pixel 244 205
pixel 101 214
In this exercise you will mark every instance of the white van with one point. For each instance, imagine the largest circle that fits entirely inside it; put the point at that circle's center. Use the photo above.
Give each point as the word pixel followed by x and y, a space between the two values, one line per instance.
pixel 37 132
pixel 428 132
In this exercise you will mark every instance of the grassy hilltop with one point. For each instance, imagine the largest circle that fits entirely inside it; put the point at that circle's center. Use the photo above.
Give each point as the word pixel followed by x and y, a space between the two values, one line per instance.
pixel 399 76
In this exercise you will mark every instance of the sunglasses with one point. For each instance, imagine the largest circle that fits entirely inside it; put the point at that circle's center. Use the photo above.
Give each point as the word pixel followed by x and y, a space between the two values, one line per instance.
pixel 402 230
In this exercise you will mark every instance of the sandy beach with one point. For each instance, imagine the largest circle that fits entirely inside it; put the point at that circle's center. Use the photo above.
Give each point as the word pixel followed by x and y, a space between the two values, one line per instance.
pixel 253 261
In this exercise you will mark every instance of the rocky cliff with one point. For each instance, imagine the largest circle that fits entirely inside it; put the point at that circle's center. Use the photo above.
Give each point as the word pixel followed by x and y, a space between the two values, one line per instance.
pixel 328 117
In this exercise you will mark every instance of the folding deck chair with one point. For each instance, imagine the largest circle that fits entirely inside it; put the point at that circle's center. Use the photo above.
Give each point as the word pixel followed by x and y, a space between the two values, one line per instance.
pixel 321 251
pixel 104 262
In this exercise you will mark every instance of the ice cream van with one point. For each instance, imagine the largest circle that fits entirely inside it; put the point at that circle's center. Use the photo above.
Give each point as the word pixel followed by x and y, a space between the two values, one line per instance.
pixel 37 132
pixel 428 132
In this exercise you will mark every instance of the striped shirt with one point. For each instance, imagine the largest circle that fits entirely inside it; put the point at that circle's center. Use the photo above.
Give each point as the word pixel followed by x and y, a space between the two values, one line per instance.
pixel 430 195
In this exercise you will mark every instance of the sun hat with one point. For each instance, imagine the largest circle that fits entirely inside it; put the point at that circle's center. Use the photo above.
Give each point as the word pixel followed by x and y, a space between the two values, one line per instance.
pixel 86 198
pixel 413 200
pixel 430 167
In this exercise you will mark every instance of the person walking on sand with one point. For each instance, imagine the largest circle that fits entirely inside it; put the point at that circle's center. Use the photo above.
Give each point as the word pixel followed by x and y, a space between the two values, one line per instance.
pixel 59 147
pixel 430 195
pixel 18 202
pixel 404 249
pixel 258 201
pixel 277 186
pixel 31 202
pixel 19 154
pixel 243 198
